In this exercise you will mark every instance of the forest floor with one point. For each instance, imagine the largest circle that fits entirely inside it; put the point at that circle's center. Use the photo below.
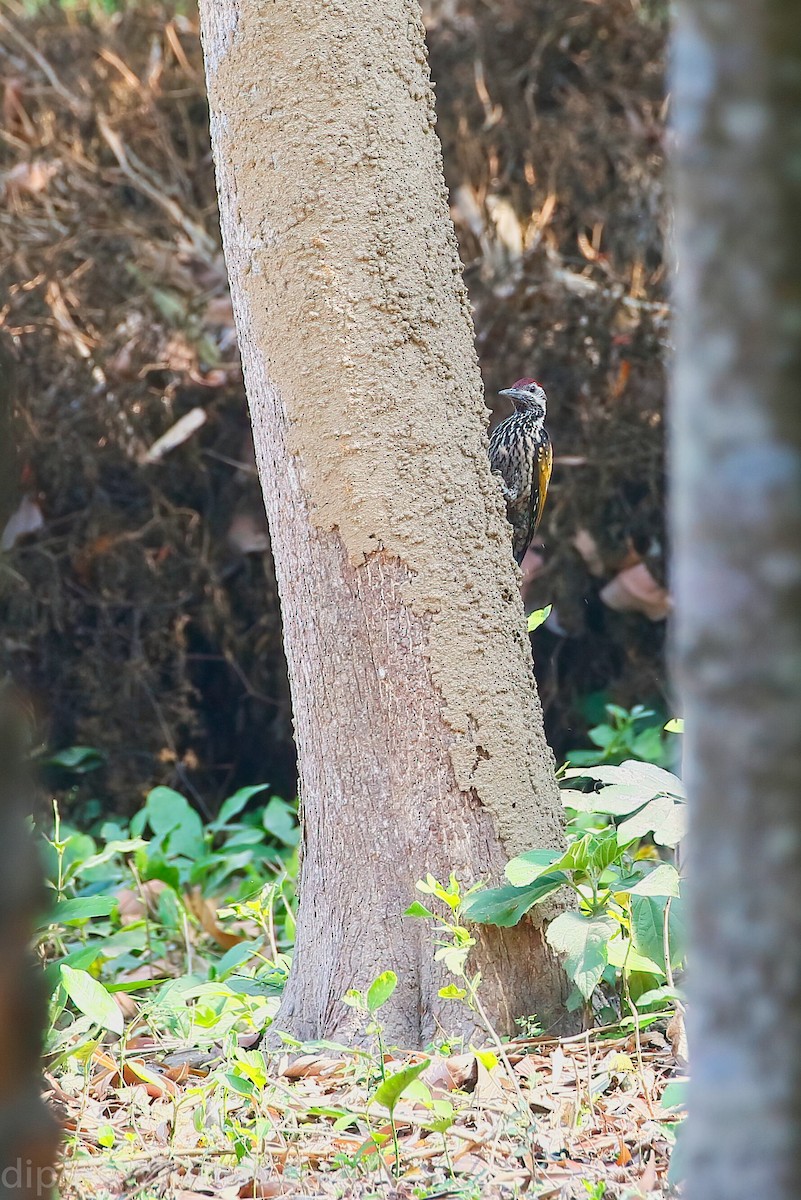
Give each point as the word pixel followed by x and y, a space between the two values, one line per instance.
pixel 182 1119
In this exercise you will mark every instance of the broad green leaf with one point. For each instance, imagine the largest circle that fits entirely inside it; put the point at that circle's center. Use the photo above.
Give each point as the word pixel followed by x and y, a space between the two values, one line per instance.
pixel 166 809
pixel 92 999
pixel 233 805
pixel 663 817
pixel 416 909
pixel 452 992
pixel 527 867
pixel 648 745
pixel 616 800
pixel 620 952
pixel 252 1064
pixel 157 868
pixel 389 1092
pixel 647 928
pixel 664 880
pixel 660 995
pixel 81 908
pixel 506 906
pixel 238 1084
pixel 652 780
pixel 380 990
pixel 538 617
pixel 281 822
pixel 602 736
pixel 583 942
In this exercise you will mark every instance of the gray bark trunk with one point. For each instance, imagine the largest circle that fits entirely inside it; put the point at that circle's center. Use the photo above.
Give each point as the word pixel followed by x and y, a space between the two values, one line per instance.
pixel 418 727
pixel 737 529
pixel 28 1131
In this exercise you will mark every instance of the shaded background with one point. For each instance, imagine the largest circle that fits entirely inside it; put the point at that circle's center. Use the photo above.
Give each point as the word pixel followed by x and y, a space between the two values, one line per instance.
pixel 138 605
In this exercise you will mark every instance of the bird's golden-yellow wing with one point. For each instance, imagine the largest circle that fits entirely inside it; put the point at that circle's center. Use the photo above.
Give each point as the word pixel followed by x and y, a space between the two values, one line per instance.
pixel 544 467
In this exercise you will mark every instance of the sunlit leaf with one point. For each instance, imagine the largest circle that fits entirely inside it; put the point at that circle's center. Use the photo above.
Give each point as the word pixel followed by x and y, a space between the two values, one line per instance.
pixel 380 990
pixel 389 1092
pixel 583 941
pixel 91 998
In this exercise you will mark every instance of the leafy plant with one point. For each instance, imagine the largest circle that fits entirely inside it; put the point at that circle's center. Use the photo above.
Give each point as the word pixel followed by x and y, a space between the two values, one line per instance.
pixel 138 903
pixel 635 733
pixel 368 1003
pixel 627 926
pixel 454 942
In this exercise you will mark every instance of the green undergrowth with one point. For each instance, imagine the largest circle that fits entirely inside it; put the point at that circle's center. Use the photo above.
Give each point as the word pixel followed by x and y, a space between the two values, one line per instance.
pixel 170 934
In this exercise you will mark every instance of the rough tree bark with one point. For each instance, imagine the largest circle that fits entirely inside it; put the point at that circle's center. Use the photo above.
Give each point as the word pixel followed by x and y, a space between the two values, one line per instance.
pixel 418 727
pixel 737 528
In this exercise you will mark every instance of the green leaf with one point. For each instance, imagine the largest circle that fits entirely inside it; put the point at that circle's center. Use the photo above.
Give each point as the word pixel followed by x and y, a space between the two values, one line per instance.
pixel 664 880
pixel 380 990
pixel 659 995
pixel 389 1092
pixel 172 819
pixel 92 999
pixel 238 1084
pixel 151 867
pixel 118 846
pixel 137 985
pixel 234 805
pixel 506 906
pixel 527 867
pixel 166 809
pixel 620 953
pixel 68 912
pixel 538 617
pixel 416 909
pixel 106 1136
pixel 647 929
pixel 648 745
pixel 652 781
pixel 605 849
pixel 602 736
pixel 577 855
pixel 583 941
pixel 663 817
pixel 79 759
pixel 452 992
pixel 281 822
pixel 616 800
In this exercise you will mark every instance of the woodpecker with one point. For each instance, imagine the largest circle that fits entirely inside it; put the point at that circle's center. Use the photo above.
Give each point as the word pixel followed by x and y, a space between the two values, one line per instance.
pixel 521 454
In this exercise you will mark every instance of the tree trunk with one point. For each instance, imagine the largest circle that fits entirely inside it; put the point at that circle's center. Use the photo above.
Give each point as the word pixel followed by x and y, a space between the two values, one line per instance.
pixel 418 727
pixel 28 1131
pixel 737 528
